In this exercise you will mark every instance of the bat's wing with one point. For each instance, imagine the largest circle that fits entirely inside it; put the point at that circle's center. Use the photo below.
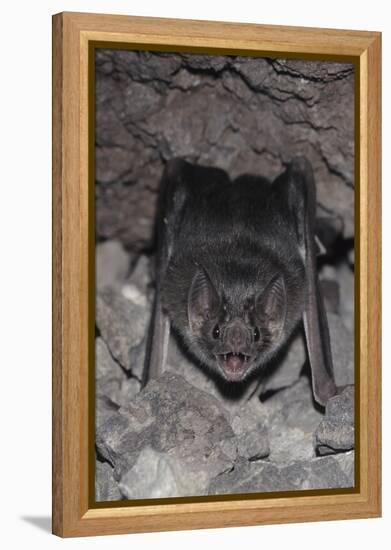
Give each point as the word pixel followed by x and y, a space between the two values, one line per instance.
pixel 172 197
pixel 298 186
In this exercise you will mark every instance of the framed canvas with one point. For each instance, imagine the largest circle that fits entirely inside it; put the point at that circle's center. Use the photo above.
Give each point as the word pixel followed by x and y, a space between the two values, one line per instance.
pixel 198 384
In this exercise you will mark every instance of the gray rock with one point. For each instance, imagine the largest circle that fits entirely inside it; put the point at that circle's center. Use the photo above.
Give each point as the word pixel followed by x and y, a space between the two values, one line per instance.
pixel 336 431
pixel 112 264
pixel 248 424
pixel 141 276
pixel 292 419
pixel 123 325
pixel 179 363
pixel 104 409
pixel 318 473
pixel 106 488
pixel 248 477
pixel 155 475
pixel 230 396
pixel 129 388
pixel 108 374
pixel 175 419
pixel 263 476
pixel 347 465
pixel 112 385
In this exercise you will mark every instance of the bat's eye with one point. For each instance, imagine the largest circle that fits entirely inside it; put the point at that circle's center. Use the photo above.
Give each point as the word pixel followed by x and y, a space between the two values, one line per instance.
pixel 256 334
pixel 216 332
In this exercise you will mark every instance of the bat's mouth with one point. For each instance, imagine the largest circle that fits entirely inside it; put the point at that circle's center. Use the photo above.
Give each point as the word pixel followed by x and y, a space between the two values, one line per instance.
pixel 234 365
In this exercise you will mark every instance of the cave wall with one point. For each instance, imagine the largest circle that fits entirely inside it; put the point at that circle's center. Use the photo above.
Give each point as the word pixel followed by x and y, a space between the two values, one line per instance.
pixel 243 114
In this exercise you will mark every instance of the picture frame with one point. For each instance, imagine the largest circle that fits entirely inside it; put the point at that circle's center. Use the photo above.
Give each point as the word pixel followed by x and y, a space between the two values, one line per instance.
pixel 75 35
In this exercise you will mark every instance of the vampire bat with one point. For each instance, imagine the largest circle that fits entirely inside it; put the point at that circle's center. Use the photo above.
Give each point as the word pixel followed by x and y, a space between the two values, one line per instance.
pixel 236 271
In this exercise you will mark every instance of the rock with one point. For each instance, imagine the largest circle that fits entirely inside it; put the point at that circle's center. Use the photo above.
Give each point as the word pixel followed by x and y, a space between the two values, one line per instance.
pixel 241 113
pixel 336 431
pixel 105 408
pixel 174 419
pixel 112 264
pixel 140 276
pixel 248 424
pixel 123 325
pixel 231 396
pixel 317 473
pixel 112 384
pixel 248 477
pixel 157 475
pixel 347 464
pixel 181 364
pixel 288 368
pixel 263 476
pixel 342 348
pixel 106 488
pixel 108 374
pixel 292 419
pixel 129 388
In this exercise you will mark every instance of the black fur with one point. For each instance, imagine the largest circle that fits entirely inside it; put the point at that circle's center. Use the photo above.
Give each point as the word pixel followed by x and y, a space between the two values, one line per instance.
pixel 236 271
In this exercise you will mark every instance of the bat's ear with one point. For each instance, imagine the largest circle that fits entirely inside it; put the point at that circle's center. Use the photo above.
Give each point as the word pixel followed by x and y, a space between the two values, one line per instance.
pixel 203 300
pixel 270 306
pixel 298 186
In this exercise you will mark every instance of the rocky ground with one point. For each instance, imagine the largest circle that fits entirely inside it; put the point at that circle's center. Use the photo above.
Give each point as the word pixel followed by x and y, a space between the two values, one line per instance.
pixel 182 435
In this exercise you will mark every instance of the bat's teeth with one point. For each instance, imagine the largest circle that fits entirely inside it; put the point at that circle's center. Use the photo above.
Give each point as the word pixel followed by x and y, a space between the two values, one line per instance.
pixel 225 357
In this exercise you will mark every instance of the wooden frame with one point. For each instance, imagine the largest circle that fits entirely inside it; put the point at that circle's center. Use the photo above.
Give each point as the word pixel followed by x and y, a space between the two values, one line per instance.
pixel 72 33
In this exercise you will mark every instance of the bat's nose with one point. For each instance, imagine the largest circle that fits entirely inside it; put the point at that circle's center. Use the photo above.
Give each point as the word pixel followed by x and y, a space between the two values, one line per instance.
pixel 237 336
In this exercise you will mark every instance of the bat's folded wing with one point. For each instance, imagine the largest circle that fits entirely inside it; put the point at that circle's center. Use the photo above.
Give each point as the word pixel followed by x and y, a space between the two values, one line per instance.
pixel 300 196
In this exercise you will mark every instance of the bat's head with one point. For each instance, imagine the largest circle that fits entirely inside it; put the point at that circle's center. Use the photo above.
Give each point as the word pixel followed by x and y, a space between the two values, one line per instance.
pixel 235 333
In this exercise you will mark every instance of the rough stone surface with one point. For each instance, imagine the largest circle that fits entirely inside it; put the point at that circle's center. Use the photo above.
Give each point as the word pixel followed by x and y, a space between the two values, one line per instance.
pixel 112 383
pixel 139 287
pixel 241 114
pixel 248 424
pixel 169 416
pixel 249 477
pixel 347 464
pixel 154 475
pixel 336 431
pixel 108 374
pixel 179 363
pixel 112 264
pixel 263 476
pixel 104 409
pixel 292 419
pixel 106 488
pixel 123 324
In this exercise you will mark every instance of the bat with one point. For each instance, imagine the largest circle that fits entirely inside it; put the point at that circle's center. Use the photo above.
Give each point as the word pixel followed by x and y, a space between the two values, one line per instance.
pixel 236 272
